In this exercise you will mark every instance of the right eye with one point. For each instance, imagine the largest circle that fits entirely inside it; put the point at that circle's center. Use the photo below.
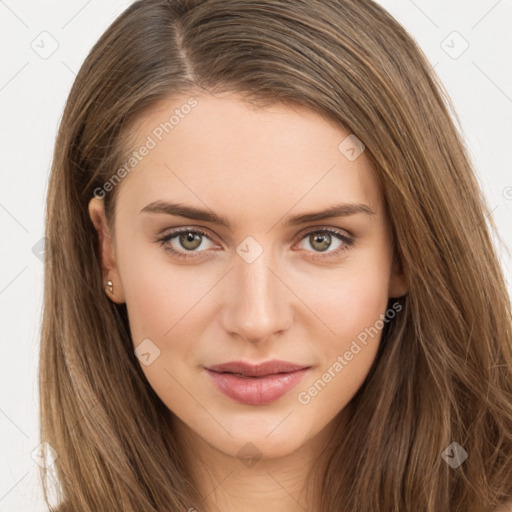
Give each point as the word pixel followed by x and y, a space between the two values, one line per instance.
pixel 188 239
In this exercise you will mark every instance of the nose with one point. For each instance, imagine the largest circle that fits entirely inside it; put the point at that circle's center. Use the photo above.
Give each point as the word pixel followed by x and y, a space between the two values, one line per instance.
pixel 259 303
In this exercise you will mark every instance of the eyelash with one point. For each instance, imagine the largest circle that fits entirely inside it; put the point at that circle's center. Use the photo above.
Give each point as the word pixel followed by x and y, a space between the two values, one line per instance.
pixel 348 242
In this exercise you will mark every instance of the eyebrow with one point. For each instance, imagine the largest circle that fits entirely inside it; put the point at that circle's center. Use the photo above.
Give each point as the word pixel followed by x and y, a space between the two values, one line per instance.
pixel 190 212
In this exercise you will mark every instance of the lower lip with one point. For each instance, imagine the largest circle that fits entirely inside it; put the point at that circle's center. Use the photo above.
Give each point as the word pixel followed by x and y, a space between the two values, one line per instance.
pixel 256 391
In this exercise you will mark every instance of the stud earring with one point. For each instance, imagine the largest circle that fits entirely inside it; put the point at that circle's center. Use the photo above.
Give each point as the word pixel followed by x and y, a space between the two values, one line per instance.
pixel 110 286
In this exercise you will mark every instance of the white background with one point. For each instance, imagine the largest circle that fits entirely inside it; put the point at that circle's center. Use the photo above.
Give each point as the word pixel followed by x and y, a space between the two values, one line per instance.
pixel 32 95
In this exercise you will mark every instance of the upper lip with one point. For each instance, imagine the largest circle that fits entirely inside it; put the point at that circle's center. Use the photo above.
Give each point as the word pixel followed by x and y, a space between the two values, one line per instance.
pixel 257 370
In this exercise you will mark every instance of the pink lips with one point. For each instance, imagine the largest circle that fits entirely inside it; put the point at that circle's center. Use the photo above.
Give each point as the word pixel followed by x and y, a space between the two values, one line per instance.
pixel 256 384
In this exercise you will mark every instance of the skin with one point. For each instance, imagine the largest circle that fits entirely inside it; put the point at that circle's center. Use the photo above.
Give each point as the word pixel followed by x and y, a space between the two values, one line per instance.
pixel 255 167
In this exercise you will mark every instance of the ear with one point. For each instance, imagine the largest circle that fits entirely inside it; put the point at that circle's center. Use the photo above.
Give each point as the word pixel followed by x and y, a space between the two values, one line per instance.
pixel 107 250
pixel 398 286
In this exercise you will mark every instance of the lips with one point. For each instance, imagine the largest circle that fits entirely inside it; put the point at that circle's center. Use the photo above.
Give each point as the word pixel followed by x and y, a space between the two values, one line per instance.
pixel 256 384
pixel 257 370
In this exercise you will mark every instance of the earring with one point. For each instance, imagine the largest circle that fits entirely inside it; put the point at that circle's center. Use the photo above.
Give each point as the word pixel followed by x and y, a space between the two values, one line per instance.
pixel 110 286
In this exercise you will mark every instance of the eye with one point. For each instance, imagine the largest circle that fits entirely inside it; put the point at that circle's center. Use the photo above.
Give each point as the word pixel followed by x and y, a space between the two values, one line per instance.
pixel 189 243
pixel 322 239
pixel 188 240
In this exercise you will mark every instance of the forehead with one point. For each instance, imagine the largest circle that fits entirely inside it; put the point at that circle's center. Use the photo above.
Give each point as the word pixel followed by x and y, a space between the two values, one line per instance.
pixel 223 150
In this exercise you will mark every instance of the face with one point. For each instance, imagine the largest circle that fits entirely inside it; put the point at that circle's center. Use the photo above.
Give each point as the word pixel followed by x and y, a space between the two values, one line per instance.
pixel 218 262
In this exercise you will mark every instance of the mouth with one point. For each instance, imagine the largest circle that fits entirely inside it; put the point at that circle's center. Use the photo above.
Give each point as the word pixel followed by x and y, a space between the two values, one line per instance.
pixel 245 376
pixel 256 384
pixel 265 369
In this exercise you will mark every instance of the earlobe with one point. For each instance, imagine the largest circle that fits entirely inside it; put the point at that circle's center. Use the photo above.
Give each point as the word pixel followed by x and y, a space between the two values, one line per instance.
pixel 111 280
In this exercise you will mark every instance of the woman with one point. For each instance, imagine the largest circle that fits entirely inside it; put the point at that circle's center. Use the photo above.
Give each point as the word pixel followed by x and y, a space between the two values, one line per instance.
pixel 270 284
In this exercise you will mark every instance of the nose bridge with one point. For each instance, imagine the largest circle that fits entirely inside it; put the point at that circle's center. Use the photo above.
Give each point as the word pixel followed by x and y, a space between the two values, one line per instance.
pixel 257 304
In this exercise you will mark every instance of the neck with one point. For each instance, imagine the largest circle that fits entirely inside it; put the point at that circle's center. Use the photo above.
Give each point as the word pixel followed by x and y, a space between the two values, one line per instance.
pixel 250 483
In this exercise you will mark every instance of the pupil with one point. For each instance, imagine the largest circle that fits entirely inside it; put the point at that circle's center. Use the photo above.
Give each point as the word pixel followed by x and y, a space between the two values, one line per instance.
pixel 189 238
pixel 325 238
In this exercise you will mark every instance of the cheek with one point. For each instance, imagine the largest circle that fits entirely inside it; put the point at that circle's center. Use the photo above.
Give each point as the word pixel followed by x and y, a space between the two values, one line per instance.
pixel 363 298
pixel 161 303
pixel 353 309
pixel 348 299
pixel 164 306
pixel 157 293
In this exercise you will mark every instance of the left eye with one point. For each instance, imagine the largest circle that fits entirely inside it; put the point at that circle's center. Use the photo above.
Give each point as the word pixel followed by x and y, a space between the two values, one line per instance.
pixel 321 240
pixel 192 239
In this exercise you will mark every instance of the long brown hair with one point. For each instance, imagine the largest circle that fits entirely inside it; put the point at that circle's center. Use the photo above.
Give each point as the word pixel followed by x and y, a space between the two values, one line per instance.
pixel 443 373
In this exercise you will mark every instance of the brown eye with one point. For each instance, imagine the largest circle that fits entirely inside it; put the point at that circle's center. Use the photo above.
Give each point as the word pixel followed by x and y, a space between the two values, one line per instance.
pixel 190 240
pixel 185 243
pixel 320 242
